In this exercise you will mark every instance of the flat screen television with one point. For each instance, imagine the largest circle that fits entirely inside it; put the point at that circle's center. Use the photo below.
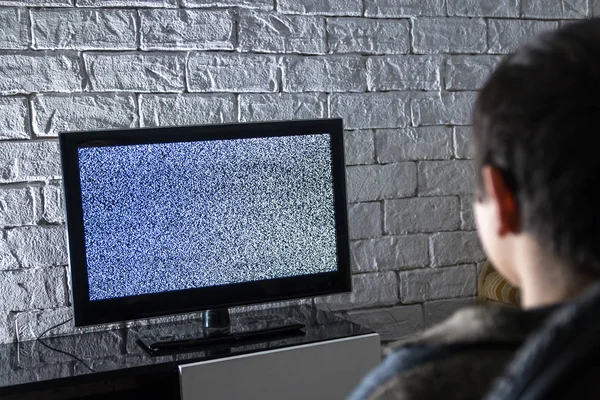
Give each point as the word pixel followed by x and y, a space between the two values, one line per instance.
pixel 178 219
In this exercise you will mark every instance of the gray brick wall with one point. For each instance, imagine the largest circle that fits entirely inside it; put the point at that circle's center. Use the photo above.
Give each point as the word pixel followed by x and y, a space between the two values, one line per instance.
pixel 402 73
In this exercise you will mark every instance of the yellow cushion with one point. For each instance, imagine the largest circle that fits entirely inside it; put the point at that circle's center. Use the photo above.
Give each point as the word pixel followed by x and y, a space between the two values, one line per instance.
pixel 492 286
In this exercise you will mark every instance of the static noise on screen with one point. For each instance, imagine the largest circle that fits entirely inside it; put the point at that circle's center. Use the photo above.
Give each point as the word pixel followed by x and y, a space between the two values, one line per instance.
pixel 173 216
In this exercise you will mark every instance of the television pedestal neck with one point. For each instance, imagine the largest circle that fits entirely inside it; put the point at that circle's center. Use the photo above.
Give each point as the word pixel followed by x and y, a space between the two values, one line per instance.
pixel 216 322
pixel 217 331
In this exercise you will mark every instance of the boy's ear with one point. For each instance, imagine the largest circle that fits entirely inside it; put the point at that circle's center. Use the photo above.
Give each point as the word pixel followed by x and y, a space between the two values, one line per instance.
pixel 509 219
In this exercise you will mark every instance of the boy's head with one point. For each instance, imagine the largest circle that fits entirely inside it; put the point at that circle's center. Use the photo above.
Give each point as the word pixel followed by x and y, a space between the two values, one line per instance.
pixel 536 142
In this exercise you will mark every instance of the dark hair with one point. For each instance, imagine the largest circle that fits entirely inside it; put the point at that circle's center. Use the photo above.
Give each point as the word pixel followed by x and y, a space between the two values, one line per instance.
pixel 537 119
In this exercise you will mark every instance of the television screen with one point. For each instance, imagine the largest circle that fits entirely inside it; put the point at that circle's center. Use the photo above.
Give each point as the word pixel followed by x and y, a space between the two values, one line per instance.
pixel 171 216
pixel 169 220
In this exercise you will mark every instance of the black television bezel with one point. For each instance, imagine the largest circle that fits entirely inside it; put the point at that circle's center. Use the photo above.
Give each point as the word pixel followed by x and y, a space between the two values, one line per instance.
pixel 88 312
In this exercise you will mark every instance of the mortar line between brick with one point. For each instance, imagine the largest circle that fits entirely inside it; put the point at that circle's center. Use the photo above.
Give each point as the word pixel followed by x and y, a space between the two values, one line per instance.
pixel 235 33
pixel 186 73
pixel 382 217
pixel 373 133
pixel 454 144
pixel 238 108
pixel 138 30
pixel 85 84
pixel 411 27
pixel 31 112
pixel 487 35
pixel 326 38
pixel 520 9
pixel 30 26
pixel 66 286
pixel 138 109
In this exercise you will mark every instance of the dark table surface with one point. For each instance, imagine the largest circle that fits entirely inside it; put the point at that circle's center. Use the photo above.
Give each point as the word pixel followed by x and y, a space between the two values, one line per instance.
pixel 105 355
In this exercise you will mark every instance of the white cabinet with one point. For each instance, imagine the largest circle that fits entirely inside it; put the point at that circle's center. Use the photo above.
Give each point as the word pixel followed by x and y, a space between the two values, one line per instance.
pixel 323 370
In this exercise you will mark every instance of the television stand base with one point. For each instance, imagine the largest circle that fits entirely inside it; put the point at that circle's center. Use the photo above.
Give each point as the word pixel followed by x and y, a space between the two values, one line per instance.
pixel 193 337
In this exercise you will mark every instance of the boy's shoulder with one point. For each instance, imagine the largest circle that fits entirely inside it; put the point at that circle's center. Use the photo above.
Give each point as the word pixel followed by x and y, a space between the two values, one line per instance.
pixel 457 359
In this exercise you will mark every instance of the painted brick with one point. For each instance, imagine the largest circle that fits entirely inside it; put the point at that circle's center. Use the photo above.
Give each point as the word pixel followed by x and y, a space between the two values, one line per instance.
pixel 362 256
pixel 505 35
pixel 359 147
pixel 389 253
pixel 80 112
pixel 30 324
pixel 135 72
pixel 398 252
pixel 378 182
pixel 468 72
pixel 368 36
pixel 455 35
pixel 276 33
pixel 53 204
pixel 29 72
pixel 84 29
pixel 186 30
pixel 7 258
pixel 15 28
pixel 368 290
pixel 17 207
pixel 371 110
pixel 421 214
pixel 439 178
pixel 467 219
pixel 421 285
pixel 567 9
pixel 321 7
pixel 364 220
pixel 403 72
pixel 451 248
pixel 258 4
pixel 127 3
pixel 446 108
pixel 391 323
pixel 440 310
pixel 38 246
pixel 28 161
pixel 403 8
pixel 186 109
pixel 232 73
pixel 14 118
pixel 37 3
pixel 7 332
pixel 478 8
pixel 29 289
pixel 282 106
pixel 462 141
pixel 423 143
pixel 324 74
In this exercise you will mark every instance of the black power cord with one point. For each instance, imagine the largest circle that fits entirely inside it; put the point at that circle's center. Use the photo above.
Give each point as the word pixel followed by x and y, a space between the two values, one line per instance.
pixel 39 339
